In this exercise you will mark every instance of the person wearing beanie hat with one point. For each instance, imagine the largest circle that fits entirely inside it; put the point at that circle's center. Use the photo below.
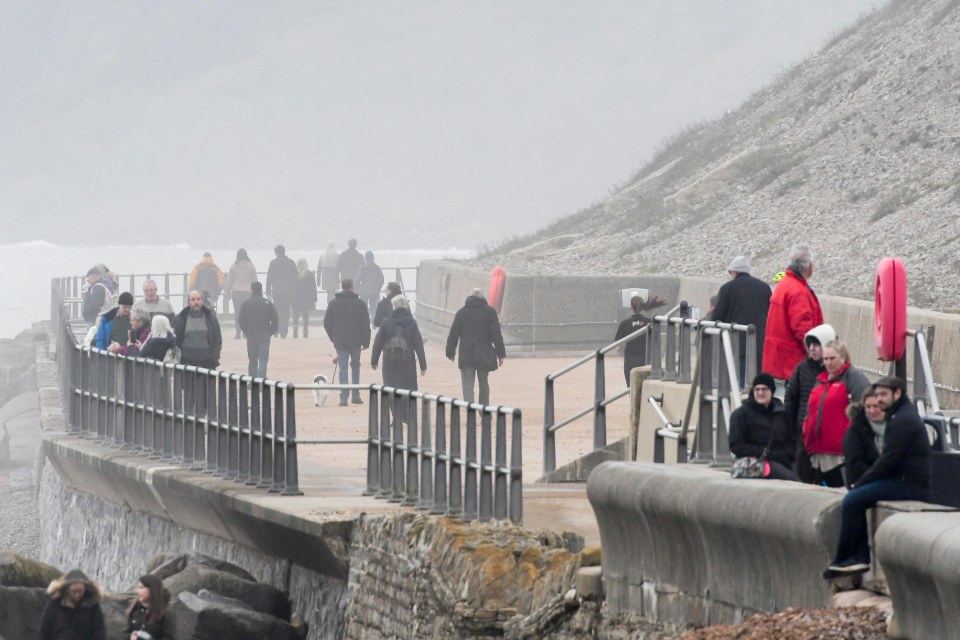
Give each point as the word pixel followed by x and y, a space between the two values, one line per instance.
pixel 901 472
pixel 759 429
pixel 370 281
pixel 744 300
pixel 72 610
pixel 799 385
pixel 115 324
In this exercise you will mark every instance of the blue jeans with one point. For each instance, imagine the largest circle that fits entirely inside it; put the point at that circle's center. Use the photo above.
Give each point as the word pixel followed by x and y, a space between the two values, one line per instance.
pixel 854 541
pixel 351 356
pixel 258 352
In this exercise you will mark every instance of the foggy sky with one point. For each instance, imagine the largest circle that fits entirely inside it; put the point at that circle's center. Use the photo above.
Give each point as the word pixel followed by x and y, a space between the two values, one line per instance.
pixel 427 123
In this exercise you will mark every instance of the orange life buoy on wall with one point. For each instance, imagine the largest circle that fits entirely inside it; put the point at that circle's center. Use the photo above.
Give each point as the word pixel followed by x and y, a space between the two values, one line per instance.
pixel 890 309
pixel 495 295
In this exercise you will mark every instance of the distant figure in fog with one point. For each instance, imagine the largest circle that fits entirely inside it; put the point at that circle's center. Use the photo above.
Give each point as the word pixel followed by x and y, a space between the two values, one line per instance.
pixel 198 334
pixel 258 321
pixel 635 351
pixel 371 281
pixel 347 324
pixel 476 329
pixel 282 278
pixel 72 611
pixel 153 303
pixel 385 306
pixel 304 297
pixel 146 617
pixel 98 298
pixel 208 277
pixel 115 324
pixel 794 310
pixel 328 275
pixel 744 300
pixel 349 262
pixel 241 275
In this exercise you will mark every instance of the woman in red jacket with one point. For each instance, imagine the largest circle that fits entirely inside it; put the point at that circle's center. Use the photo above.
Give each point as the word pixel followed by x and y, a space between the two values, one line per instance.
pixel 826 419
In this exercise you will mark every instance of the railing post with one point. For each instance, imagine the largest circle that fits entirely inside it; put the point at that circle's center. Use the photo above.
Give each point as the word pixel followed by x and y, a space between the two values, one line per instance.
pixel 210 399
pixel 725 387
pixel 751 363
pixel 516 468
pixel 549 437
pixel 373 445
pixel 486 471
pixel 441 459
pixel 386 473
pixel 500 473
pixel 600 404
pixel 704 439
pixel 163 375
pixel 455 507
pixel 256 431
pixel 266 435
pixel 279 470
pixel 659 455
pixel 223 426
pixel 233 427
pixel 656 358
pixel 243 428
pixel 685 337
pixel 470 460
pixel 127 437
pixel 670 370
pixel 396 448
pixel 410 413
pixel 291 484
pixel 427 457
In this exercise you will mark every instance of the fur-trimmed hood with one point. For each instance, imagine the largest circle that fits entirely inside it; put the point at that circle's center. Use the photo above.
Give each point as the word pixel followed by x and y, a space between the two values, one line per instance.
pixel 92 597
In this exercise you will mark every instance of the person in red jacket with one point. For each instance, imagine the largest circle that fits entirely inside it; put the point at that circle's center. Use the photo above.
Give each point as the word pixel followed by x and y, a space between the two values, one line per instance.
pixel 827 420
pixel 794 310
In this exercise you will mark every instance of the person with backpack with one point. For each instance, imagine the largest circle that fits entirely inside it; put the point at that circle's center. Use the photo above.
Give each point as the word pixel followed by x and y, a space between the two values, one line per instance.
pixel 400 342
pixel 207 276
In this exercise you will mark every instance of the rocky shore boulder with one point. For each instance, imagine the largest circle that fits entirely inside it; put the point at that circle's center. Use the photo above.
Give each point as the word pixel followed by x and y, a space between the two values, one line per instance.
pixel 167 565
pixel 20 609
pixel 208 615
pixel 17 571
pixel 260 597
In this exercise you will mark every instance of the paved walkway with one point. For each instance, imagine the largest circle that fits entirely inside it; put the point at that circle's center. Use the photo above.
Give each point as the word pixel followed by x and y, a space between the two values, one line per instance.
pixel 341 468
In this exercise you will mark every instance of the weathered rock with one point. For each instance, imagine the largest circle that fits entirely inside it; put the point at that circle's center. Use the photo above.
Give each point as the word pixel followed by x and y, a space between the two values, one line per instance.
pixel 260 597
pixel 165 565
pixel 17 571
pixel 20 609
pixel 208 616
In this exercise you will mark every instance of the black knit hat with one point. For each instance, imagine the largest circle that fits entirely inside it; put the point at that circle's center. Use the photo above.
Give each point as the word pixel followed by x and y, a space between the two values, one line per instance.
pixel 765 380
pixel 125 298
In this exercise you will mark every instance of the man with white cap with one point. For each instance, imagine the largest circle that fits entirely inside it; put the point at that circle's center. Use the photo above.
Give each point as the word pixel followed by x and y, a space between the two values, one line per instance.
pixel 744 300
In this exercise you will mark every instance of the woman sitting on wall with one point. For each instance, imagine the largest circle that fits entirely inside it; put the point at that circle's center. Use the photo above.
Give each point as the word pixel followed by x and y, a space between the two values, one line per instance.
pixel 863 441
pixel 760 425
pixel 146 617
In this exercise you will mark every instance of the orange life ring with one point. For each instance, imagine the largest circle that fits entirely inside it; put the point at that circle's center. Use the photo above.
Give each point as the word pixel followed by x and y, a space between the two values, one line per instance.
pixel 495 295
pixel 890 309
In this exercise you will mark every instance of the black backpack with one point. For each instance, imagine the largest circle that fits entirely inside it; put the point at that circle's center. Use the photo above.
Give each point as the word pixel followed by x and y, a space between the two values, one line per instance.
pixel 397 347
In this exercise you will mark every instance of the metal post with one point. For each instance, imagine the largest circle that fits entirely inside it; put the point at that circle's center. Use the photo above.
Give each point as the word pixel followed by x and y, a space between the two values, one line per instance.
pixel 726 387
pixel 266 435
pixel 233 427
pixel 291 484
pixel 599 404
pixel 243 428
pixel 751 364
pixel 209 379
pixel 162 373
pixel 256 432
pixel 486 469
pixel 127 436
pixel 703 452
pixel 386 473
pixel 455 507
pixel 670 371
pixel 396 448
pixel 440 462
pixel 516 468
pixel 500 465
pixel 279 470
pixel 410 412
pixel 549 437
pixel 684 376
pixel 223 425
pixel 373 446
pixel 470 459
pixel 426 457
pixel 656 360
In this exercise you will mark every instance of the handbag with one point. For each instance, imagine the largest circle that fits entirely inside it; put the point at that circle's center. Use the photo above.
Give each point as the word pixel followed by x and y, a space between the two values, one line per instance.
pixel 751 467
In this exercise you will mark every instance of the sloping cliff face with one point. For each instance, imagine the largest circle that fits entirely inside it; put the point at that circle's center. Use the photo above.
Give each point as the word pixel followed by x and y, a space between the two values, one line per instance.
pixel 855 152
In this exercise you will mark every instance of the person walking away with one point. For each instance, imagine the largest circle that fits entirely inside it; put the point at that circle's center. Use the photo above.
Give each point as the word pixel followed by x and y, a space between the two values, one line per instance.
pixel 304 297
pixel 385 306
pixel 347 323
pixel 348 264
pixel 760 425
pixel 744 300
pixel 281 283
pixel 826 419
pixel 635 351
pixel 863 441
pixel 258 321
pixel 901 472
pixel 794 310
pixel 371 281
pixel 197 333
pixel 207 277
pixel 73 610
pixel 241 275
pixel 152 303
pixel 797 394
pixel 401 343
pixel 476 329
pixel 328 277
pixel 146 616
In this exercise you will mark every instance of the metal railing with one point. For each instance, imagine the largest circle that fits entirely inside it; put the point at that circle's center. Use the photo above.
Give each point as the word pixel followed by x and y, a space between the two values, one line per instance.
pixel 414 455
pixel 650 333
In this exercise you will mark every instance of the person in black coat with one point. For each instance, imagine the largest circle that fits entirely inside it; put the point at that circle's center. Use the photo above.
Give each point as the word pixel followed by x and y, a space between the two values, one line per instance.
pixel 901 472
pixel 863 439
pixel 635 351
pixel 760 424
pixel 73 610
pixel 282 279
pixel 347 323
pixel 198 334
pixel 476 329
pixel 801 383
pixel 304 298
pixel 146 617
pixel 385 306
pixel 744 300
pixel 258 321
pixel 399 371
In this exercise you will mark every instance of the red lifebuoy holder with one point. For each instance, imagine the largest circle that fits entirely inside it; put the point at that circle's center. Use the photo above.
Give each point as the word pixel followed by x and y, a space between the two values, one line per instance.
pixel 495 295
pixel 890 309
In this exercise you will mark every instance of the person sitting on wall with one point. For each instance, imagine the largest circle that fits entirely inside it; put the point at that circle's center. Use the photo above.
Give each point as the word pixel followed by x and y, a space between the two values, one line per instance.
pixel 73 609
pixel 760 424
pixel 863 440
pixel 902 472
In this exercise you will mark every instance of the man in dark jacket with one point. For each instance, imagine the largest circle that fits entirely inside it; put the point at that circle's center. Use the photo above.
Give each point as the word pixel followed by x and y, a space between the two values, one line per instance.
pixel 744 300
pixel 282 279
pixel 385 306
pixel 258 321
pixel 347 323
pixel 477 329
pixel 198 333
pixel 115 324
pixel 348 264
pixel 73 610
pixel 902 472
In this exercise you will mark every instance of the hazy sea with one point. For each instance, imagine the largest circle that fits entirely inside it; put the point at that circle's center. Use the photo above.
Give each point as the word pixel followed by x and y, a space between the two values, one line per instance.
pixel 30 266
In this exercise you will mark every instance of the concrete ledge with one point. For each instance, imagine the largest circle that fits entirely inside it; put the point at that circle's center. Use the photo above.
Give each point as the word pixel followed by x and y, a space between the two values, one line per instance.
pixel 579 470
pixel 920 554
pixel 687 545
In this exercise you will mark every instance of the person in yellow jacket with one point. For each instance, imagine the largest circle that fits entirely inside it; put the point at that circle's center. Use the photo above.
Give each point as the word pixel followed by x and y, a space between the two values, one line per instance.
pixel 207 277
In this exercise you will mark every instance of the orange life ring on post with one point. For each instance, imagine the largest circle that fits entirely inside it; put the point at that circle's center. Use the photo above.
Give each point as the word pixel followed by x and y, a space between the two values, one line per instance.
pixel 495 295
pixel 890 309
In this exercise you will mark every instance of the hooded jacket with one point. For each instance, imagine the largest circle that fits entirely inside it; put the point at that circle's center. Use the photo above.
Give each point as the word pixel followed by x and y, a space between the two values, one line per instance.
pixel 83 622
pixel 750 428
pixel 401 374
pixel 826 419
pixel 477 330
pixel 804 378
pixel 206 276
pixel 859 445
pixel 794 310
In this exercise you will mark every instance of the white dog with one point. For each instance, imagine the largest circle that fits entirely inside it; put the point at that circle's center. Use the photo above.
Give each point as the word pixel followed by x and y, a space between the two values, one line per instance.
pixel 320 395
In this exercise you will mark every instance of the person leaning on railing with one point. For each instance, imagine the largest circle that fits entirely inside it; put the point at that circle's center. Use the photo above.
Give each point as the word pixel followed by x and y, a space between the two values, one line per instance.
pixel 760 425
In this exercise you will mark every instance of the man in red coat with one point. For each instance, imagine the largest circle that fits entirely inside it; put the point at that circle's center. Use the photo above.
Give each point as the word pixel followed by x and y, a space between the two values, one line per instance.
pixel 794 310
